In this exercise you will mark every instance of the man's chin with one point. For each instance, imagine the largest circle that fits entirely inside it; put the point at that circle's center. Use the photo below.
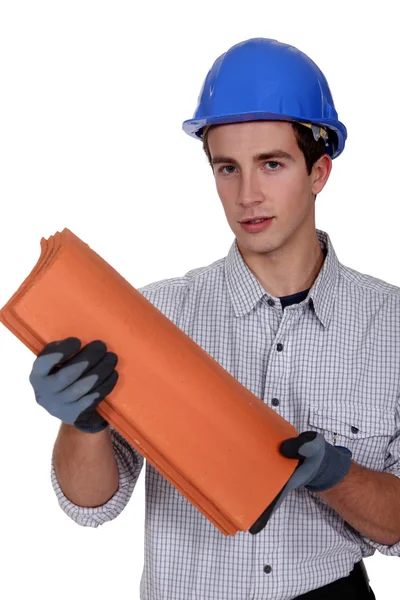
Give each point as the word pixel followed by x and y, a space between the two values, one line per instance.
pixel 257 246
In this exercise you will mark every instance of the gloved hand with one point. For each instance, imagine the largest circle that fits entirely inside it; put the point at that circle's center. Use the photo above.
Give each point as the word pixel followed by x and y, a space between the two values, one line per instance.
pixel 70 383
pixel 321 467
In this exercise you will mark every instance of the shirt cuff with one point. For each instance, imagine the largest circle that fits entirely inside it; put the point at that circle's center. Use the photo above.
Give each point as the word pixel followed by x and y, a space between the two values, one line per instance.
pixel 130 464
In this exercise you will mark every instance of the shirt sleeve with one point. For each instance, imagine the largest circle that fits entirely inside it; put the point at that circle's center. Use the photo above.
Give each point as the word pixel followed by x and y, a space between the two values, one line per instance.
pixel 392 465
pixel 130 464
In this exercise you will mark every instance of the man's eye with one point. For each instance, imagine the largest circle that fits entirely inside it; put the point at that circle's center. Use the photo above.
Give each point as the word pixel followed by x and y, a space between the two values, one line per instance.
pixel 227 167
pixel 274 163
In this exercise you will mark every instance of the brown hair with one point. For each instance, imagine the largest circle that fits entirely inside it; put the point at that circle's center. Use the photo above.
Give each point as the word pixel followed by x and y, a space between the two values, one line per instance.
pixel 312 150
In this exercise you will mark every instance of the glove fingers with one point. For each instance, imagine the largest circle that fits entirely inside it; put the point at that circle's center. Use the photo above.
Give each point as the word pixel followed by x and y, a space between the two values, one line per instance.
pixel 89 418
pixel 91 353
pixel 86 383
pixel 90 356
pixel 291 447
pixel 106 387
pixel 89 382
pixel 67 347
pixel 104 368
pixel 309 447
pixel 76 391
pixel 51 355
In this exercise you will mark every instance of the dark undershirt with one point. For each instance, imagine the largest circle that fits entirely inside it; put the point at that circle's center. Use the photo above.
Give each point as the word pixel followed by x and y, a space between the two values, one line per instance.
pixel 299 296
pixel 293 298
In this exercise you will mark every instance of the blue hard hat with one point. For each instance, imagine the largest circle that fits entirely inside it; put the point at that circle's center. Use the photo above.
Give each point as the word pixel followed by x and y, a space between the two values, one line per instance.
pixel 263 79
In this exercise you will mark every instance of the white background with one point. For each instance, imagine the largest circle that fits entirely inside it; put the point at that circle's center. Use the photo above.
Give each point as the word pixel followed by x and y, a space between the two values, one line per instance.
pixel 93 95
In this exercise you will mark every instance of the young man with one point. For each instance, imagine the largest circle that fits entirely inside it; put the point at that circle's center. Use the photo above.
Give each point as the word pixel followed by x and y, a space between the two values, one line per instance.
pixel 315 340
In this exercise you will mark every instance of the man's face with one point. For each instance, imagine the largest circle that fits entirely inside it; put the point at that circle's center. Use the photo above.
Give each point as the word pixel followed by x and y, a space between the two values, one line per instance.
pixel 255 178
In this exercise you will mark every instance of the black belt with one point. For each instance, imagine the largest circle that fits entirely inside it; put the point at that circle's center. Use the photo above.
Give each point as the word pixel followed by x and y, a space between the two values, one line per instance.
pixel 353 587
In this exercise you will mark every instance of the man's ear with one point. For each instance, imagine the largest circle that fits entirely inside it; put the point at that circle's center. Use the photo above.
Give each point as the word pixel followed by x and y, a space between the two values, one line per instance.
pixel 320 173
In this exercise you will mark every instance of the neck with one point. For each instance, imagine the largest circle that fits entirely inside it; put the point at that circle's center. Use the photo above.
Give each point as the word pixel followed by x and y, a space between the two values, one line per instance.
pixel 288 270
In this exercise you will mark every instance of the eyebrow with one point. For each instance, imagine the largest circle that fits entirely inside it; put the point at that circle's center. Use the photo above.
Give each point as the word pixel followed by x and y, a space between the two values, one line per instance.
pixel 264 156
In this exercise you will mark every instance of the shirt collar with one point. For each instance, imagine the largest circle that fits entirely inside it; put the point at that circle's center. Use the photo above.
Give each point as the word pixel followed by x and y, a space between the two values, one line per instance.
pixel 246 291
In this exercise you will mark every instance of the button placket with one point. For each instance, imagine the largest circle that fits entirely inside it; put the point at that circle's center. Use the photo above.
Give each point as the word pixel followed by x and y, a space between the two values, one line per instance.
pixel 286 320
pixel 277 376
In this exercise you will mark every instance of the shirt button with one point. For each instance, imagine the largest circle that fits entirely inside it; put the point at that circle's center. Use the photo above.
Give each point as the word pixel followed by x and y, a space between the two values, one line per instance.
pixel 267 569
pixel 354 429
pixel 279 347
pixel 275 402
pixel 270 302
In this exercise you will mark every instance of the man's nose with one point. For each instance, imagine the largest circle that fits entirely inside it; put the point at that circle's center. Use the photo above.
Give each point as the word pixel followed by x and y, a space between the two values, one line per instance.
pixel 250 189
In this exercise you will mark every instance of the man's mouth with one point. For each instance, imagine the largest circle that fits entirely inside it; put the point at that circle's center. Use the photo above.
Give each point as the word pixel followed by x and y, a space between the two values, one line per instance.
pixel 257 219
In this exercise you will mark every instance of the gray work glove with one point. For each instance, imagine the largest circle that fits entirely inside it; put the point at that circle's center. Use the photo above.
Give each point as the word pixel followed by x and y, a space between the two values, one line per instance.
pixel 321 467
pixel 70 382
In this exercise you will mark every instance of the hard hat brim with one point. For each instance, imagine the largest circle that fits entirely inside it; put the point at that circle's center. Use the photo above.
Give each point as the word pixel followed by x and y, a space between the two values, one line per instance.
pixel 194 127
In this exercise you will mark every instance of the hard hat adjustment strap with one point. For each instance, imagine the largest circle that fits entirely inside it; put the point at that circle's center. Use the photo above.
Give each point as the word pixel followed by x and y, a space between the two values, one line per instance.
pixel 317 130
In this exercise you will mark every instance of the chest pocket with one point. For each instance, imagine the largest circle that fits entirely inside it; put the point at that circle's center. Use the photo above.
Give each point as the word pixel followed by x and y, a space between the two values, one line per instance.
pixel 364 431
